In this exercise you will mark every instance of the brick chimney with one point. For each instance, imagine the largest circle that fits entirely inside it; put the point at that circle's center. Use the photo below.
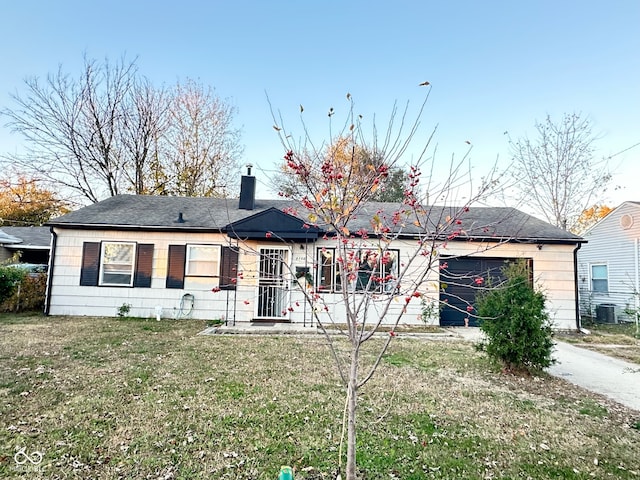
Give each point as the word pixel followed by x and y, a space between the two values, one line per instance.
pixel 247 190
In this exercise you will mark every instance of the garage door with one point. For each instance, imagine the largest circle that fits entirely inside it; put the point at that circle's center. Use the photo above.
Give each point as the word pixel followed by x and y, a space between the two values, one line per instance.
pixel 458 286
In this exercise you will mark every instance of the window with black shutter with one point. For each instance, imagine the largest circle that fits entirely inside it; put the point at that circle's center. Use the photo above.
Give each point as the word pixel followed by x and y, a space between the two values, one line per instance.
pixel 97 257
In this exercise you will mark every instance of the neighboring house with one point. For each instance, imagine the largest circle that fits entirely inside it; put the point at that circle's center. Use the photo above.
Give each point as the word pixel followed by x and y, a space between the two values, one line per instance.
pixel 235 260
pixel 609 266
pixel 31 243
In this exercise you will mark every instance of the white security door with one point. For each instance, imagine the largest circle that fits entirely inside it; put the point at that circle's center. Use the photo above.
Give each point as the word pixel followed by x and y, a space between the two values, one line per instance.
pixel 273 283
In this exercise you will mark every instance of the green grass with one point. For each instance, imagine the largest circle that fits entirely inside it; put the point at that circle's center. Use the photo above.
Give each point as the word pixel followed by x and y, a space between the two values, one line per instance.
pixel 109 398
pixel 592 408
pixel 627 328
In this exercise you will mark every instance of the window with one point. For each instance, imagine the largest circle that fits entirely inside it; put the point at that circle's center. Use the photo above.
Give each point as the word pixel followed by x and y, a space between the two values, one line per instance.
pixel 120 264
pixel 327 269
pixel 117 262
pixel 599 278
pixel 203 260
pixel 368 270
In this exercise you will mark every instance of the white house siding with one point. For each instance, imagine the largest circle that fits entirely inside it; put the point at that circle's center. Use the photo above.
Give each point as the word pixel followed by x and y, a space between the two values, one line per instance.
pixel 611 244
pixel 553 269
pixel 69 298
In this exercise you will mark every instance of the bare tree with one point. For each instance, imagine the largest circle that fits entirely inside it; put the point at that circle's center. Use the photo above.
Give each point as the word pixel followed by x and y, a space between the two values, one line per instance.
pixel 109 131
pixel 374 284
pixel 145 119
pixel 71 127
pixel 556 172
pixel 200 148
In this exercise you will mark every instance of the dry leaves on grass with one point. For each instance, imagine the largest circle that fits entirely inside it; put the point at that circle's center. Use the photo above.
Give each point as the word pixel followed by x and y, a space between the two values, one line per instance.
pixel 107 399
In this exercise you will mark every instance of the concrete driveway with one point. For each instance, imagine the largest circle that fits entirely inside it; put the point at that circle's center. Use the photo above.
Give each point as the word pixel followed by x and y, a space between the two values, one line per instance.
pixel 593 371
pixel 616 379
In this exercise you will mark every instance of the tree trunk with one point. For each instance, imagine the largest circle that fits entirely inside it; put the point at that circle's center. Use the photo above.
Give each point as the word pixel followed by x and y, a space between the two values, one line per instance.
pixel 352 392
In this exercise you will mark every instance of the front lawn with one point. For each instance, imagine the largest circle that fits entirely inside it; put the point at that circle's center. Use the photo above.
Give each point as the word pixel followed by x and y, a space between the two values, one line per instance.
pixel 109 398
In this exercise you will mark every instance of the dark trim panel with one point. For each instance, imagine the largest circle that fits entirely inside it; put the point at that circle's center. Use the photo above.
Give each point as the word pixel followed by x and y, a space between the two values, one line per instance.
pixel 90 264
pixel 228 268
pixel 175 266
pixel 144 265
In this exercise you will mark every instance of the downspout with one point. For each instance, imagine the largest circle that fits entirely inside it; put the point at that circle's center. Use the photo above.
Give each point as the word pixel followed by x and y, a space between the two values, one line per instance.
pixel 575 286
pixel 235 290
pixel 636 294
pixel 306 266
pixel 52 256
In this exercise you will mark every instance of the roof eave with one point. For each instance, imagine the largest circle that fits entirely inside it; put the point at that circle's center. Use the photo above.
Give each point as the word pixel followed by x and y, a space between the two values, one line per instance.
pixel 153 228
pixel 459 238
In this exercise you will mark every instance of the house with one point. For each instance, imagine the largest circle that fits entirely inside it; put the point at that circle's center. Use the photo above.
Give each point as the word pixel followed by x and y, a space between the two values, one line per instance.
pixel 609 266
pixel 236 260
pixel 31 243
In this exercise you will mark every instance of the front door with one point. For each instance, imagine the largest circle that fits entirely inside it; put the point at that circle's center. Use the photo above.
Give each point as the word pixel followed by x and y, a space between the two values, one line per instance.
pixel 273 284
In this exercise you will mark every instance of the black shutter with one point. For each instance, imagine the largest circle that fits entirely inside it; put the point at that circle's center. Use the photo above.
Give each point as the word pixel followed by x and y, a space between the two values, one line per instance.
pixel 228 268
pixel 90 264
pixel 175 268
pixel 144 264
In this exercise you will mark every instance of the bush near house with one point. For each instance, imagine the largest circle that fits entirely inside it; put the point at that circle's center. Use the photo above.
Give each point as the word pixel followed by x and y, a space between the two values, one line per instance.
pixel 21 292
pixel 515 322
pixel 10 278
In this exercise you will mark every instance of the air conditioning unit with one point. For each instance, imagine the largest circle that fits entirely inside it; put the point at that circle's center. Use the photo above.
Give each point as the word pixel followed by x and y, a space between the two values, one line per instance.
pixel 606 313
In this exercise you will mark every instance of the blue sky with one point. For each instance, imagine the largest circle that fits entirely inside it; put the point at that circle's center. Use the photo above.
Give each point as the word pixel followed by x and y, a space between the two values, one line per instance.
pixel 494 66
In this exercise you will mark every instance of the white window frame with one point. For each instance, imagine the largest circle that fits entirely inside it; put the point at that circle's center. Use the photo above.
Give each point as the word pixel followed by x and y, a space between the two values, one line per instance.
pixel 190 270
pixel 104 269
pixel 592 278
pixel 326 267
pixel 333 285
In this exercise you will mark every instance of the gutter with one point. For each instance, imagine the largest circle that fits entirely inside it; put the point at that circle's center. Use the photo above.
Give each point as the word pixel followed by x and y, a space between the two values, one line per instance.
pixel 137 228
pixel 52 257
pixel 575 286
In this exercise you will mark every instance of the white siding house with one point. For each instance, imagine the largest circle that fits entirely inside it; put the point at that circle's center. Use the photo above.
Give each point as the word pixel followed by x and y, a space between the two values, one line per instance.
pixel 609 265
pixel 236 261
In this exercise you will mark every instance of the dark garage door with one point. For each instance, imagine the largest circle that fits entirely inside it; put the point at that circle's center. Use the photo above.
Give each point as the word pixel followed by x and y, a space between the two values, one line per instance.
pixel 458 286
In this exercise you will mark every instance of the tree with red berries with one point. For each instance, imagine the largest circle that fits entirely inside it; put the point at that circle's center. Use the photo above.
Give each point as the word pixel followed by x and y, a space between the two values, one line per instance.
pixel 375 284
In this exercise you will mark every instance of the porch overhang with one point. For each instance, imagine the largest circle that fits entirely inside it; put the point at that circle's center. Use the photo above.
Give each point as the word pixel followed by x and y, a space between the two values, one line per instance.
pixel 272 224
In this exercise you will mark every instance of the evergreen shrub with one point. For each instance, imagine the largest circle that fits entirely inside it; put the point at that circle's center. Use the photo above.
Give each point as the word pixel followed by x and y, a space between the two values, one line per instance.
pixel 516 326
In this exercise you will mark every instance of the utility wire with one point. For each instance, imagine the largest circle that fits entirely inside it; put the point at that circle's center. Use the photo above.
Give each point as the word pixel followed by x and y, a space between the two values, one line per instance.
pixel 622 151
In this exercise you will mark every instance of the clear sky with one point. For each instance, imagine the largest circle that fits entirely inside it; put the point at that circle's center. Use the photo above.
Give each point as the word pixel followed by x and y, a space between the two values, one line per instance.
pixel 494 66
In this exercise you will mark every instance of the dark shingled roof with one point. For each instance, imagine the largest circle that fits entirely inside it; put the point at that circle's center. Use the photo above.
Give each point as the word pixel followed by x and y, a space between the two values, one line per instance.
pixel 209 214
pixel 160 212
pixel 31 237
